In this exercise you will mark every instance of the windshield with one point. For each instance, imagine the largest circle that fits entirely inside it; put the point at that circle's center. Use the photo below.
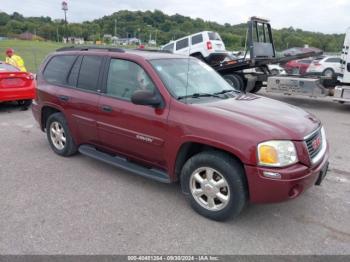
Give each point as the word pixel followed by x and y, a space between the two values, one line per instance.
pixel 188 77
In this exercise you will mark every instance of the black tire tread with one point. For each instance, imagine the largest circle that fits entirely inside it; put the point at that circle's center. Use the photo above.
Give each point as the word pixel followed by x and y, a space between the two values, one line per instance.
pixel 237 180
pixel 70 148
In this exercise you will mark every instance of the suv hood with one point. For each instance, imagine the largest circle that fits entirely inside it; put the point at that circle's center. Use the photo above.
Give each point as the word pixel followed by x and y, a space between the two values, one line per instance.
pixel 269 117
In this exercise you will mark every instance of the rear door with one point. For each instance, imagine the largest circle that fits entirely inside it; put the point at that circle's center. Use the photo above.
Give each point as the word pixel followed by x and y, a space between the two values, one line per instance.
pixel 135 131
pixel 78 93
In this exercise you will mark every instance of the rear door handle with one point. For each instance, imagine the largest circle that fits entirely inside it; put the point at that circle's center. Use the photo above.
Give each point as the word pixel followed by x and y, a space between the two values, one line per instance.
pixel 106 108
pixel 63 98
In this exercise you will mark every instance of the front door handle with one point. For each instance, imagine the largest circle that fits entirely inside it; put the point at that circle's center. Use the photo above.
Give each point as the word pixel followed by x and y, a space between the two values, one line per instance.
pixel 63 98
pixel 106 108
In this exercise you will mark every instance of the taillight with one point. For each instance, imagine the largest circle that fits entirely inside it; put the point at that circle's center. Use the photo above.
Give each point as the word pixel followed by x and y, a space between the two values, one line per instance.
pixel 30 77
pixel 317 64
pixel 209 45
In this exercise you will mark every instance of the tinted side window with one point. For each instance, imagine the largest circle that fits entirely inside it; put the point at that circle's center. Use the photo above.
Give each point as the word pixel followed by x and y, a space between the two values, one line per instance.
pixel 74 72
pixel 196 39
pixel 89 72
pixel 169 47
pixel 58 68
pixel 182 44
pixel 333 60
pixel 125 77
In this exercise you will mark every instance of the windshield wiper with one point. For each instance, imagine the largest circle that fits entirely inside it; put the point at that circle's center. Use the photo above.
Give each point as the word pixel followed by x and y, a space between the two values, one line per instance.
pixel 226 91
pixel 198 95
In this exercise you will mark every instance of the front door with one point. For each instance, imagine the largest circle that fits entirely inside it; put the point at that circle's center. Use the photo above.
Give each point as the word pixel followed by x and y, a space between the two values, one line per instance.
pixel 135 131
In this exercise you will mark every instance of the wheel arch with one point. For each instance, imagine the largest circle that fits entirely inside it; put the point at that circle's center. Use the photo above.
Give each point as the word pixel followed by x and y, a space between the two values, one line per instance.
pixel 190 148
pixel 46 112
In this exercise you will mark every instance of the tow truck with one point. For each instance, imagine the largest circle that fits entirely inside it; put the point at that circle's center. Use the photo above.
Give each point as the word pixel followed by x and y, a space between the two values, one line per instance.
pixel 261 48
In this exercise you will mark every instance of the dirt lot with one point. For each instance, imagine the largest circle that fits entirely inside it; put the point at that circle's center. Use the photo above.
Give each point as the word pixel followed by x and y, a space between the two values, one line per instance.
pixel 55 205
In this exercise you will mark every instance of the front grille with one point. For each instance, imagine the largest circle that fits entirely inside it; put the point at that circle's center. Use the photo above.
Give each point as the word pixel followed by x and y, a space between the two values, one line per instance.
pixel 314 143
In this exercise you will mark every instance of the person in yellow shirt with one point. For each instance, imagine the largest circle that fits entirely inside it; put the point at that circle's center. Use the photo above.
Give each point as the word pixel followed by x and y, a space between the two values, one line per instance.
pixel 15 60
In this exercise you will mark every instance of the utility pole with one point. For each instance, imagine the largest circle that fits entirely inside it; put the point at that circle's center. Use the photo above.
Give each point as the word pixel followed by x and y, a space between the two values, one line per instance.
pixel 57 35
pixel 115 27
pixel 65 9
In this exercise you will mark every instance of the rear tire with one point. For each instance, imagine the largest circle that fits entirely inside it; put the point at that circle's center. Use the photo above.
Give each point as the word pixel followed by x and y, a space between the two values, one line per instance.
pixel 329 72
pixel 221 193
pixel 235 80
pixel 200 57
pixel 59 136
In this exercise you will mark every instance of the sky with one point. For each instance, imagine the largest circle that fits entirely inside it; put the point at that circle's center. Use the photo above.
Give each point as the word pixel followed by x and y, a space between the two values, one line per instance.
pixel 319 16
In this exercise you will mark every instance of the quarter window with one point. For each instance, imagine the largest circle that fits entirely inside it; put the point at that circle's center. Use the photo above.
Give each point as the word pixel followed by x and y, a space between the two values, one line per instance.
pixel 58 68
pixel 169 47
pixel 182 44
pixel 89 73
pixel 196 39
pixel 125 77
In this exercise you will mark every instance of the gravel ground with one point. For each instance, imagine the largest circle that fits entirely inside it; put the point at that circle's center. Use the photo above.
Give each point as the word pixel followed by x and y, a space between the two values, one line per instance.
pixel 55 205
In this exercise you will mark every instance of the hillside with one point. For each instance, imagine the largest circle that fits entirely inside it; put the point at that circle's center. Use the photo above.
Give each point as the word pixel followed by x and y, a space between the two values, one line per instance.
pixel 163 27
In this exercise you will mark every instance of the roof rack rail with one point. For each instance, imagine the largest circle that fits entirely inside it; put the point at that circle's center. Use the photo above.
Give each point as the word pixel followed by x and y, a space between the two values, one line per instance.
pixel 153 50
pixel 87 48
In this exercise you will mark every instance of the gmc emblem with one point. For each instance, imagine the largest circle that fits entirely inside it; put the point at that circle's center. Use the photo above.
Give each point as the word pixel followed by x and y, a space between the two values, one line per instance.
pixel 316 143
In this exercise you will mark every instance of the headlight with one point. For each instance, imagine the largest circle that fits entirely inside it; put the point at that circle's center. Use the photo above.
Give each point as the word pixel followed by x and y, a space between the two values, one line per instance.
pixel 277 153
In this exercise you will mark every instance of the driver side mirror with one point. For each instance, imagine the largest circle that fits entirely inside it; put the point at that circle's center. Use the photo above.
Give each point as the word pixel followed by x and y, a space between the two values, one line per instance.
pixel 146 98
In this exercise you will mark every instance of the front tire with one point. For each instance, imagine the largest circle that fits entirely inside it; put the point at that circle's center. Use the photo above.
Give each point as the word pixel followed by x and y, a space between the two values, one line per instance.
pixel 59 136
pixel 214 184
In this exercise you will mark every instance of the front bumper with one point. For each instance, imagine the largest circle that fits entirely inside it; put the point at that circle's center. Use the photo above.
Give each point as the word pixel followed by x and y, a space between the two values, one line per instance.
pixel 293 182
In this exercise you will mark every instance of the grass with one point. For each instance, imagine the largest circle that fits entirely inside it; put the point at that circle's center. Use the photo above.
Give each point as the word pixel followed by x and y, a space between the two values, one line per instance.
pixel 33 52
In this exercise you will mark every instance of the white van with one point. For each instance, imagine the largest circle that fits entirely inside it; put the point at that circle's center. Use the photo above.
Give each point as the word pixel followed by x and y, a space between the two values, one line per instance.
pixel 207 46
pixel 342 91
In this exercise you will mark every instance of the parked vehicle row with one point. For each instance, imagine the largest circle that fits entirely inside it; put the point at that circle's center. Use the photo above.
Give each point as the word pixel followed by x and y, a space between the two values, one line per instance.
pixel 328 66
pixel 174 118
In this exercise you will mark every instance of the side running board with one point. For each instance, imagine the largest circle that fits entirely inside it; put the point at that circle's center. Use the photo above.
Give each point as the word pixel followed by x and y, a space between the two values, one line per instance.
pixel 123 163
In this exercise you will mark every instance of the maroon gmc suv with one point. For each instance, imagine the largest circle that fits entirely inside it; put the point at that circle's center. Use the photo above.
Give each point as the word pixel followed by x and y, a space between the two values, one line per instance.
pixel 173 118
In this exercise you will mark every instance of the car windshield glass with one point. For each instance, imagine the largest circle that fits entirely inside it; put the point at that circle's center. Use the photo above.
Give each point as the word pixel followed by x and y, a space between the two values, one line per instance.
pixel 7 68
pixel 185 77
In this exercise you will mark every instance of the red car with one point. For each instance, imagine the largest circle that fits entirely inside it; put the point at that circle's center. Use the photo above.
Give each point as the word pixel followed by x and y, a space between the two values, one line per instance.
pixel 16 85
pixel 297 67
pixel 173 118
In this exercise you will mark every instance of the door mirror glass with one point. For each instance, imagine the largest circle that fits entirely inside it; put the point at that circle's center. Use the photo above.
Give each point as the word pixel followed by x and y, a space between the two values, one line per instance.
pixel 146 98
